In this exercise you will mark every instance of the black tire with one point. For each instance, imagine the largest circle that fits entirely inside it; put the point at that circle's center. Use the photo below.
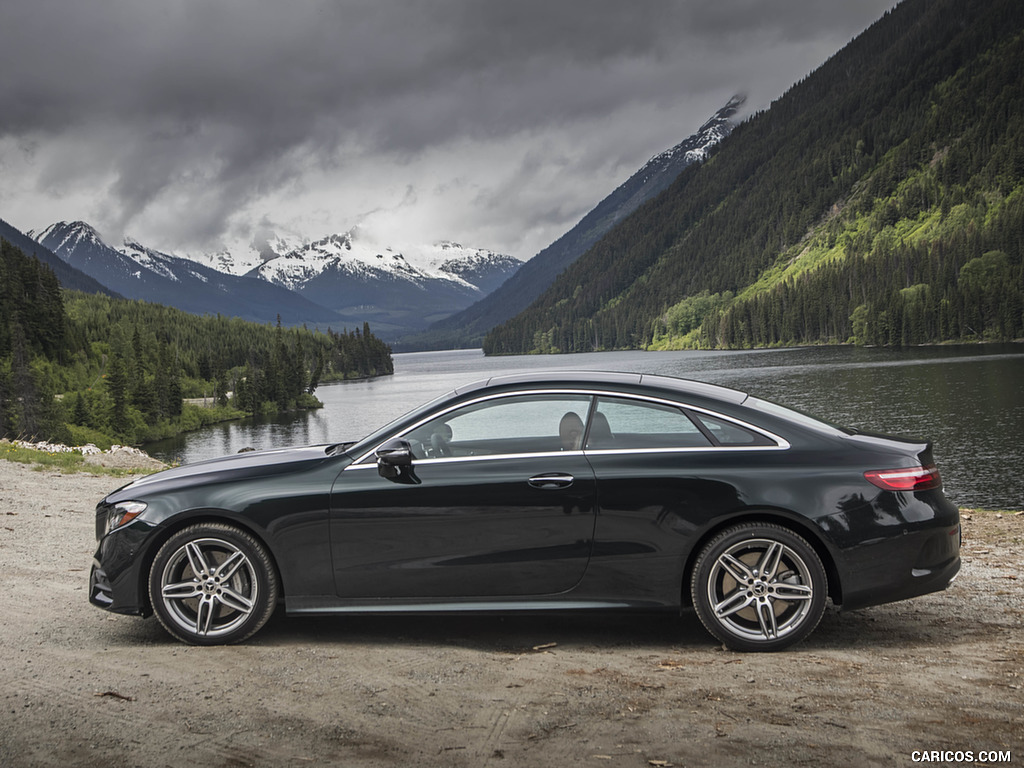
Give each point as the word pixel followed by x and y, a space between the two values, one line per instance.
pixel 213 584
pixel 759 587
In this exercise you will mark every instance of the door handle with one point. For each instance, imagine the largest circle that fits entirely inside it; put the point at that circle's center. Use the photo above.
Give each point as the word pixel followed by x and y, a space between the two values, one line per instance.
pixel 552 481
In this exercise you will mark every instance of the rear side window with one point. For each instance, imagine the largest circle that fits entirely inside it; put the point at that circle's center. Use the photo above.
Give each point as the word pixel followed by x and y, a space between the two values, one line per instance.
pixel 731 434
pixel 622 424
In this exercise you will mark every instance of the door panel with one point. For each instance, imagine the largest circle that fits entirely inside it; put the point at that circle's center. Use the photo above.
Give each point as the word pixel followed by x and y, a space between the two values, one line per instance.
pixel 464 527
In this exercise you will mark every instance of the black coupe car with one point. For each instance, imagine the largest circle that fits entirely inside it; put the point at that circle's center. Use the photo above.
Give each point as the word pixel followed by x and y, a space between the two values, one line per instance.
pixel 567 491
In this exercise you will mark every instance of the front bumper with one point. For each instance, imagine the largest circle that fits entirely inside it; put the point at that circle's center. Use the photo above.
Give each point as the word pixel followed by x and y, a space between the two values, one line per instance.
pixel 100 593
pixel 116 579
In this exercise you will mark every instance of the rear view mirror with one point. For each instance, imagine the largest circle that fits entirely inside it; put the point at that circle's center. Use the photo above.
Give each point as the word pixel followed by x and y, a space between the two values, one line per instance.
pixel 393 457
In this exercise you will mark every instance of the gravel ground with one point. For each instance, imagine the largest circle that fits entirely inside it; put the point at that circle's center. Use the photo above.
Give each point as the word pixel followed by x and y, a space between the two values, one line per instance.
pixel 80 687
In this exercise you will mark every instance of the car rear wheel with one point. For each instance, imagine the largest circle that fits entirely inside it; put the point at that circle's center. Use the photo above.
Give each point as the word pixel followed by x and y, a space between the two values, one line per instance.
pixel 213 584
pixel 759 587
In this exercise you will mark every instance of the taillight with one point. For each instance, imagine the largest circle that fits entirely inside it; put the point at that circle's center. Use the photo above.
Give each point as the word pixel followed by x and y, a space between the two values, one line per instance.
pixel 909 479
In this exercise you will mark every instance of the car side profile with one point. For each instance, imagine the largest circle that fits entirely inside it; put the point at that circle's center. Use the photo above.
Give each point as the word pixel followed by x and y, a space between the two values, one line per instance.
pixel 538 492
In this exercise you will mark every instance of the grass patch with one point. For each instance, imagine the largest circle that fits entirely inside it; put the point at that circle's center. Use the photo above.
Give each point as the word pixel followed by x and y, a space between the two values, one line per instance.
pixel 67 463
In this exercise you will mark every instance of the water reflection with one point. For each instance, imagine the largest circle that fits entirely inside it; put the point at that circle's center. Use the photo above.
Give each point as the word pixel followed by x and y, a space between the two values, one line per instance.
pixel 968 400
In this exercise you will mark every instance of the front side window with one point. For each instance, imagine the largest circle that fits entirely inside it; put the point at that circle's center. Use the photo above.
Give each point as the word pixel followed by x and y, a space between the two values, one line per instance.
pixel 621 424
pixel 507 425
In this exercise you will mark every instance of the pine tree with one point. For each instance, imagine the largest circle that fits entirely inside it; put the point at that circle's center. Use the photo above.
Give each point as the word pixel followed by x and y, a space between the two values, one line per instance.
pixel 117 387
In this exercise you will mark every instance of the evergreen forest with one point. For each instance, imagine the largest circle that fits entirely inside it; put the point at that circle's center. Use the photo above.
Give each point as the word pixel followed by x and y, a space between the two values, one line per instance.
pixel 879 201
pixel 77 367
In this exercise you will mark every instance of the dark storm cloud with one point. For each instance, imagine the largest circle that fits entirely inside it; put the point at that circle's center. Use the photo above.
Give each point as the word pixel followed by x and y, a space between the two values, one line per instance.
pixel 240 98
pixel 281 65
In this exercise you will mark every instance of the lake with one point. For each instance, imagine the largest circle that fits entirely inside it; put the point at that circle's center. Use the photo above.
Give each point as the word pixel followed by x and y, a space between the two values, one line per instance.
pixel 968 400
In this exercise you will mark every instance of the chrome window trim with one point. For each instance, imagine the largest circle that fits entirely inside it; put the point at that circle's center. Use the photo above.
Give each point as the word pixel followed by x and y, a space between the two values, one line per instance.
pixel 481 457
pixel 781 444
pixel 689 449
pixel 595 452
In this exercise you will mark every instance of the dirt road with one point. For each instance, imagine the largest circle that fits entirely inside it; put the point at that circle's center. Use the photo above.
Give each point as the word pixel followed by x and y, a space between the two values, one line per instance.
pixel 80 687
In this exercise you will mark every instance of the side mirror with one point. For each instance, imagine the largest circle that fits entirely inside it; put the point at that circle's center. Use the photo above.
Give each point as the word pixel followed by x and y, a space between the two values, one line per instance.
pixel 392 457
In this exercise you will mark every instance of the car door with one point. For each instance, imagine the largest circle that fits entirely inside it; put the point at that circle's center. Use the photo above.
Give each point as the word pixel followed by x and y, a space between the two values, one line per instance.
pixel 498 500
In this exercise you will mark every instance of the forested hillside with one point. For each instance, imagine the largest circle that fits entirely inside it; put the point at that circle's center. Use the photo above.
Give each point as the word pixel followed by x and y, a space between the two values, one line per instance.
pixel 879 201
pixel 77 367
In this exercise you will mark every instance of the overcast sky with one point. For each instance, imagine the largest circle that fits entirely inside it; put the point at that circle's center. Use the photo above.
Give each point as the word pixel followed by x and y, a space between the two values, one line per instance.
pixel 498 123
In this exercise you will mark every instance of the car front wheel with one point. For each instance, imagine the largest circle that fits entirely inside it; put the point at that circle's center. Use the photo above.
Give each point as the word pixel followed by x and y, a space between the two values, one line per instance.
pixel 213 584
pixel 759 587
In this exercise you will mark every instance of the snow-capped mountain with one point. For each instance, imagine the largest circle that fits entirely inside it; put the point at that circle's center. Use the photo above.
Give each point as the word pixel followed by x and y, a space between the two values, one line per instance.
pixel 291 261
pixel 693 149
pixel 467 327
pixel 340 280
pixel 138 272
pixel 472 269
pixel 482 268
pixel 245 256
pixel 405 288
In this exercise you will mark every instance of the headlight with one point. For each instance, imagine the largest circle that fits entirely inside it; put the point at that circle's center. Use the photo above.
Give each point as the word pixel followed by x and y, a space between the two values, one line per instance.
pixel 123 513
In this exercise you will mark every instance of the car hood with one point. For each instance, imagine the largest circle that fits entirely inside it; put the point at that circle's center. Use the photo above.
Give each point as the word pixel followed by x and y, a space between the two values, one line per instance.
pixel 234 467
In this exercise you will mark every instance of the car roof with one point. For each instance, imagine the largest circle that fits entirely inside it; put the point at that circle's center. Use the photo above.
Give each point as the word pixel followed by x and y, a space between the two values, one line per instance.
pixel 591 379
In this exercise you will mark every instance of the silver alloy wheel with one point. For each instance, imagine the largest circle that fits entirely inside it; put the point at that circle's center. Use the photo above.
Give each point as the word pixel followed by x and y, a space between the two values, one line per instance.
pixel 209 587
pixel 760 590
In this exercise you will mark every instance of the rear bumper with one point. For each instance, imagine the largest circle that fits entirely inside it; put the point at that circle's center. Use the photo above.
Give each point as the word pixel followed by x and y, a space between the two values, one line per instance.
pixel 908 566
pixel 893 546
